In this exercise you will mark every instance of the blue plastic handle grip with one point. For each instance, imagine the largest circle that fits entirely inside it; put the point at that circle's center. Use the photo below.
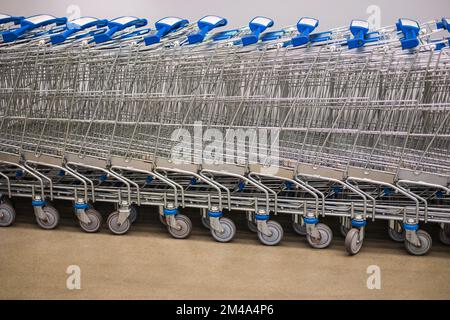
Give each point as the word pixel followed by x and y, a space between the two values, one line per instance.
pixel 305 26
pixel 13 19
pixel 359 30
pixel 205 25
pixel 115 26
pixel 164 28
pixel 73 28
pixel 410 30
pixel 256 28
pixel 26 25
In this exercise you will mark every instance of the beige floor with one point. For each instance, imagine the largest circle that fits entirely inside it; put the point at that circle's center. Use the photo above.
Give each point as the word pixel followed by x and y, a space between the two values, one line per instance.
pixel 148 264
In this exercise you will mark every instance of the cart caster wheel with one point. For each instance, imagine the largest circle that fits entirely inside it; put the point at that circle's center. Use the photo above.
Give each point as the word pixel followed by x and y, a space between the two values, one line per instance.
pixel 133 214
pixel 275 238
pixel 52 218
pixel 299 229
pixel 229 231
pixel 7 215
pixel 344 230
pixel 425 244
pixel 326 235
pixel 352 243
pixel 252 226
pixel 205 223
pixel 396 236
pixel 115 227
pixel 444 235
pixel 185 230
pixel 96 221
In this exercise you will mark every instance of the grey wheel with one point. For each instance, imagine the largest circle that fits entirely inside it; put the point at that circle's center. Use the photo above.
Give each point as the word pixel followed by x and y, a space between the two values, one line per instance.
pixel 162 218
pixel 277 234
pixel 51 218
pixel 114 225
pixel 344 230
pixel 299 229
pixel 396 236
pixel 134 213
pixel 7 215
pixel 252 226
pixel 96 221
pixel 326 235
pixel 444 234
pixel 205 222
pixel 352 243
pixel 425 244
pixel 229 231
pixel 185 227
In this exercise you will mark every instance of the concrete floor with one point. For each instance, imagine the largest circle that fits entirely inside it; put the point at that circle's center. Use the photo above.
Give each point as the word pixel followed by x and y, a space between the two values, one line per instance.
pixel 148 264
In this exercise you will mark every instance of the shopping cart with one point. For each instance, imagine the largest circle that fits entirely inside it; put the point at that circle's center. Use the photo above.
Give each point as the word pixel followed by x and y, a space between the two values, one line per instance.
pixel 358 123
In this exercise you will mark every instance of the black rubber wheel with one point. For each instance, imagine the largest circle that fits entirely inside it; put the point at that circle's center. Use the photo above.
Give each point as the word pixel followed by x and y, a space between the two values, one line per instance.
pixel 115 227
pixel 96 221
pixel 275 238
pixel 7 214
pixel 395 235
pixel 299 229
pixel 425 244
pixel 444 234
pixel 52 218
pixel 186 227
pixel 352 243
pixel 252 226
pixel 205 222
pixel 344 230
pixel 134 213
pixel 326 235
pixel 229 231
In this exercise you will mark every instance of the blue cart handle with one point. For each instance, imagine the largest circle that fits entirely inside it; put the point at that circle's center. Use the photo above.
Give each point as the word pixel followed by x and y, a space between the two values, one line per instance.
pixel 119 24
pixel 257 25
pixel 163 27
pixel 4 18
pixel 31 23
pixel 304 26
pixel 410 30
pixel 205 25
pixel 444 24
pixel 359 30
pixel 77 25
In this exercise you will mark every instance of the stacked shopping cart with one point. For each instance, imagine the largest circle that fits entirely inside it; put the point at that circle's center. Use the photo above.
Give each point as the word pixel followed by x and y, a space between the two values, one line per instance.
pixel 351 123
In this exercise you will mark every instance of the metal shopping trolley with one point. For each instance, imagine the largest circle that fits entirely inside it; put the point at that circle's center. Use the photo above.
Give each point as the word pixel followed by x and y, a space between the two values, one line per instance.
pixel 104 111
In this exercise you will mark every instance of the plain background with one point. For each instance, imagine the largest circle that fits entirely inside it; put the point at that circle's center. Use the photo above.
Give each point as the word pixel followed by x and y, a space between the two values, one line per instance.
pixel 331 13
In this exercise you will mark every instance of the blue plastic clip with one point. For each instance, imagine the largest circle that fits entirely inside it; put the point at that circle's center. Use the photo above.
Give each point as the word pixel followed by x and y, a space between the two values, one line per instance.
pixel 257 25
pixel 444 24
pixel 119 24
pixel 205 25
pixel 410 30
pixel 31 23
pixel 81 206
pixel 4 18
pixel 359 30
pixel 77 25
pixel 148 180
pixel 163 27
pixel 273 35
pixel 305 26
pixel 225 35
